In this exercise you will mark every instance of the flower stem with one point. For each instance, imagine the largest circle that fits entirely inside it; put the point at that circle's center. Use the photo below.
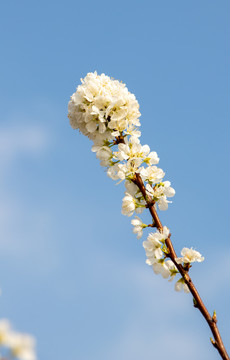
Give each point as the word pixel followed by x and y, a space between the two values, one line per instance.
pixel 198 303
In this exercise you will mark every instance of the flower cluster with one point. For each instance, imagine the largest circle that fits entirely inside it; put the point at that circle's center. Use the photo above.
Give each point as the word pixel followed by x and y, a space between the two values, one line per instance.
pixel 104 110
pixel 156 252
pixel 16 345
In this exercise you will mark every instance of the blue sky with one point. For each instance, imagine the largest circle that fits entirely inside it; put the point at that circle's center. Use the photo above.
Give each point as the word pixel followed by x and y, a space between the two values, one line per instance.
pixel 71 271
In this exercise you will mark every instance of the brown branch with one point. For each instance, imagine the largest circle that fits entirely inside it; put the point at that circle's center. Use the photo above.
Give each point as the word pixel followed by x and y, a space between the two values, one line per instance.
pixel 198 303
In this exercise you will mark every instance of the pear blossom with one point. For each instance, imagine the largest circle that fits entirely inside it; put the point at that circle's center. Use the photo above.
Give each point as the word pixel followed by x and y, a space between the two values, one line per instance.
pixel 160 193
pixel 128 205
pixel 104 153
pixel 152 158
pixel 132 150
pixel 165 268
pixel 134 191
pixel 189 255
pixel 181 286
pixel 154 245
pixel 153 174
pixel 131 188
pixel 160 235
pixel 153 251
pixel 164 189
pixel 138 226
pixel 162 203
pixel 118 171
pixel 21 346
pixel 131 204
pixel 123 170
pixel 132 131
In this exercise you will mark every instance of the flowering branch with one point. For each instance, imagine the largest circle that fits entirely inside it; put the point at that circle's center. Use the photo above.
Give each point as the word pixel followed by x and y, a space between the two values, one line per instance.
pixel 104 110
pixel 198 303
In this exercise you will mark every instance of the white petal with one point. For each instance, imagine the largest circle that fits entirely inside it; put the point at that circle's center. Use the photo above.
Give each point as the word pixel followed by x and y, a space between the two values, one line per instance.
pixel 91 126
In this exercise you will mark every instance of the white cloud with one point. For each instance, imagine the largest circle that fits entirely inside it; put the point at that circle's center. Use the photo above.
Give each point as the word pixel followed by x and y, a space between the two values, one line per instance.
pixel 157 327
pixel 137 343
pixel 24 228
pixel 15 141
pixel 160 322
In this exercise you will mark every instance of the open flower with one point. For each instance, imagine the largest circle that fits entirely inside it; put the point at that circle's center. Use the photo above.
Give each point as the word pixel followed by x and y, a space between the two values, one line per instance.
pixel 104 153
pixel 138 226
pixel 189 255
pixel 181 286
pixel 160 193
pixel 128 205
pixel 154 245
pixel 153 174
pixel 165 268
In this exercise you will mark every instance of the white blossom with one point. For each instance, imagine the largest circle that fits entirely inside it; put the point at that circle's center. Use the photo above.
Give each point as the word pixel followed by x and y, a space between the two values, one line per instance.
pixel 152 174
pixel 160 193
pixel 152 158
pixel 104 153
pixel 189 255
pixel 118 171
pixel 162 203
pixel 128 205
pixel 153 245
pixel 172 268
pixel 138 226
pixel 161 189
pixel 165 268
pixel 132 131
pixel 131 151
pixel 21 346
pixel 102 104
pixel 123 170
pixel 131 188
pixel 181 286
